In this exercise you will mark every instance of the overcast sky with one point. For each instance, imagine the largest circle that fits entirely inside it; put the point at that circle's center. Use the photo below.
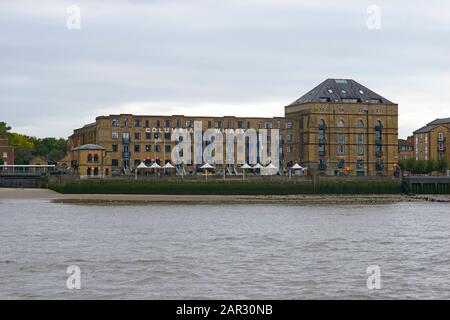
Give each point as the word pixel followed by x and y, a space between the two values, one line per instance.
pixel 214 57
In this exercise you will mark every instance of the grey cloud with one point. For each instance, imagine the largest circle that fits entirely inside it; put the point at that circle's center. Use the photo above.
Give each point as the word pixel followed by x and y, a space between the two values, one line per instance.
pixel 221 53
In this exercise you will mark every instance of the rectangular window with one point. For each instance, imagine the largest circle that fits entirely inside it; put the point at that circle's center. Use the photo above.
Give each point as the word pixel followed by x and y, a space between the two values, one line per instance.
pixel 218 124
pixel 115 162
pixel 289 137
pixel 167 135
pixel 209 124
pixel 5 155
pixel 167 148
pixel 240 124
pixel 290 149
pixel 137 122
pixel 229 126
pixel 148 135
pixel 137 136
pixel 360 150
pixel 340 150
pixel 289 125
pixel 360 139
pixel 147 123
pixel 137 148
pixel 360 164
pixel 158 123
pixel 148 148
pixel 114 123
pixel 156 136
pixel 115 135
pixel 157 148
pixel 441 136
pixel 341 139
pixel 268 125
pixel 115 148
pixel 189 124
pixel 167 123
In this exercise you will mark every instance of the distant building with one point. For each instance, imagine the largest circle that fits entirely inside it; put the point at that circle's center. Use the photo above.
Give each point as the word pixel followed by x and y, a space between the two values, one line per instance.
pixel 431 142
pixel 6 152
pixel 90 160
pixel 406 148
pixel 344 128
pixel 39 161
pixel 338 128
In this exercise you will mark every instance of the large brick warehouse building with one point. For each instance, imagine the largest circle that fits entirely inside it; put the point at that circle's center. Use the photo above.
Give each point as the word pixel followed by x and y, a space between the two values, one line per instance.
pixel 338 128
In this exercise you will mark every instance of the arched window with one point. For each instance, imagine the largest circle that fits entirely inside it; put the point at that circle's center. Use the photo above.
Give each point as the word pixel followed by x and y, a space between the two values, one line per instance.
pixel 378 126
pixel 106 172
pixel 95 157
pixel 341 123
pixel 89 157
pixel 95 171
pixel 360 124
pixel 88 172
pixel 322 124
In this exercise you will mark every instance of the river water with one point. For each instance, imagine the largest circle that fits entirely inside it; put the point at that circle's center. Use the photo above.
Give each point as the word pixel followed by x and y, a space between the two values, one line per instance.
pixel 224 251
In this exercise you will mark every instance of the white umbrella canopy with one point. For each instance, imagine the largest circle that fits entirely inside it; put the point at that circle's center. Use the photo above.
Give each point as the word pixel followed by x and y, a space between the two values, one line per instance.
pixel 258 166
pixel 207 166
pixel 297 167
pixel 142 166
pixel 271 166
pixel 168 165
pixel 155 166
pixel 245 166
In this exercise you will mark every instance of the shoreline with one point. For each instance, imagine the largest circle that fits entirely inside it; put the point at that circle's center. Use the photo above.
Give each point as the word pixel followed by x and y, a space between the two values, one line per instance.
pixel 124 199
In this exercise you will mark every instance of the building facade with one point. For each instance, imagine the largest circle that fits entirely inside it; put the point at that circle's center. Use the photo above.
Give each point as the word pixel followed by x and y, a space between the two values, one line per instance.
pixel 431 142
pixel 343 128
pixel 6 152
pixel 131 139
pixel 406 148
pixel 90 160
pixel 338 128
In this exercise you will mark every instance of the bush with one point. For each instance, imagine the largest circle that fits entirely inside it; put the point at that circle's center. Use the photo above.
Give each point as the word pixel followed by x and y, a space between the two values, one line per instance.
pixel 216 188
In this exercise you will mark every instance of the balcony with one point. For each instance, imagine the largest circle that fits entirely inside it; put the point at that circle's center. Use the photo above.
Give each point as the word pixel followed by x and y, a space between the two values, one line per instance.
pixel 379 142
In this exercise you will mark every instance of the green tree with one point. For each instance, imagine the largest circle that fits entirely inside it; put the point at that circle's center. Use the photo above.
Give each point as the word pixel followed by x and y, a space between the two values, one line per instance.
pixel 22 155
pixel 430 166
pixel 410 164
pixel 442 165
pixel 420 167
pixel 4 129
pixel 1 162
